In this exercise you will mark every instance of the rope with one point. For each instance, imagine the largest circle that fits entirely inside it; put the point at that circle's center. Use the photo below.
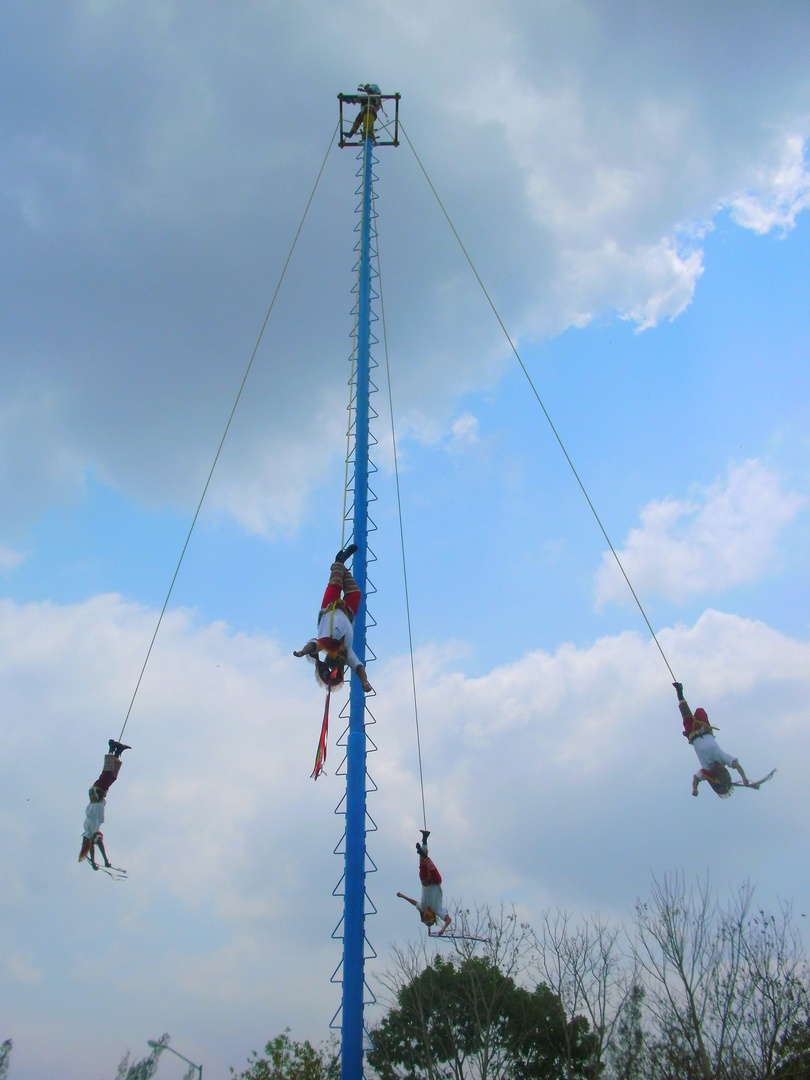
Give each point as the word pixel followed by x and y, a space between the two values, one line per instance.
pixel 401 527
pixel 350 409
pixel 402 541
pixel 227 429
pixel 539 399
pixel 347 459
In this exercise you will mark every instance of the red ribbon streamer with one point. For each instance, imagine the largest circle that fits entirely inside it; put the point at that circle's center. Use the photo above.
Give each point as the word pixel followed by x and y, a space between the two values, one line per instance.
pixel 320 757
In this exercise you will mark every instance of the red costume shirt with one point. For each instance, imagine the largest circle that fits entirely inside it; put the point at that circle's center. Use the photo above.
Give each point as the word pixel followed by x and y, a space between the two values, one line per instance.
pixel 428 874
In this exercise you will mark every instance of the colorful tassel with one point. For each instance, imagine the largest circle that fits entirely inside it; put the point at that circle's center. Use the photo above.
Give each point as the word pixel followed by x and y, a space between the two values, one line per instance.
pixel 320 757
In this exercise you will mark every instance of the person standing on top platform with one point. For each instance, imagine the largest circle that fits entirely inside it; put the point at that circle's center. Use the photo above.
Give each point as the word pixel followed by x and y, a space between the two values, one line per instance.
pixel 368 111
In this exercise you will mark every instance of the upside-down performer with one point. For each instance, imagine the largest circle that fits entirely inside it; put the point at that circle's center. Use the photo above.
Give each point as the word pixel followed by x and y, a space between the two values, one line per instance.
pixel 335 633
pixel 92 835
pixel 714 761
pixel 431 905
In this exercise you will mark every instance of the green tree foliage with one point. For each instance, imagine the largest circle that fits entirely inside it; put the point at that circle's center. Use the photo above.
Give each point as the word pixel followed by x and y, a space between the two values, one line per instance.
pixel 626 1050
pixel 581 962
pixel 467 1020
pixel 794 1053
pixel 286 1059
pixel 702 990
pixel 5 1053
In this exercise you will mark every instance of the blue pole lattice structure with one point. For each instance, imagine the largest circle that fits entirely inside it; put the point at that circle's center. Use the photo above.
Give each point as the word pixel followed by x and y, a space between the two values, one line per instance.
pixel 356 948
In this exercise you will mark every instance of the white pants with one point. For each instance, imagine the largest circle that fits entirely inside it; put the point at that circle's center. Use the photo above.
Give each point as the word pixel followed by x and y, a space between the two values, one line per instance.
pixel 432 898
pixel 709 752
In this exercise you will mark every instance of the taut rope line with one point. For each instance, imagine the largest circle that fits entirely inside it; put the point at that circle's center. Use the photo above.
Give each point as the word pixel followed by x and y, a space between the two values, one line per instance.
pixel 227 429
pixel 557 436
pixel 402 543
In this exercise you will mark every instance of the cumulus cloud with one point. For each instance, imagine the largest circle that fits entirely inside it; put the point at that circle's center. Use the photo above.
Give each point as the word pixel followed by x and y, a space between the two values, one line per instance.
pixel 620 157
pixel 559 778
pixel 152 175
pixel 782 192
pixel 464 430
pixel 723 536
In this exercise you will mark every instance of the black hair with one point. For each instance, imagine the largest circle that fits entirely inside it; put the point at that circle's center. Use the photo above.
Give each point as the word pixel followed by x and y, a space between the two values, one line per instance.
pixel 329 675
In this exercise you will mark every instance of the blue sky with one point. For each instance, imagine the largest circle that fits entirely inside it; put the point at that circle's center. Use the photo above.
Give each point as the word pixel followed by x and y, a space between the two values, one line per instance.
pixel 632 185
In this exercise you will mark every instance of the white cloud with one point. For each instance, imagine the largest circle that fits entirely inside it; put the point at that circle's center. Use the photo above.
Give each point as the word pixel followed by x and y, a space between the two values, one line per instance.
pixel 464 430
pixel 560 778
pixel 782 191
pixel 620 153
pixel 669 269
pixel 580 150
pixel 723 536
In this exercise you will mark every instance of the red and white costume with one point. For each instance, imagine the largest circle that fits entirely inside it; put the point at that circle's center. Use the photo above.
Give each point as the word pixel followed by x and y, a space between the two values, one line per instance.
pixel 698 731
pixel 431 888
pixel 340 604
pixel 94 818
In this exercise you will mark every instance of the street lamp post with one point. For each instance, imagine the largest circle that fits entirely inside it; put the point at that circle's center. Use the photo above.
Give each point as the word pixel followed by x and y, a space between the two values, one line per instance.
pixel 163 1046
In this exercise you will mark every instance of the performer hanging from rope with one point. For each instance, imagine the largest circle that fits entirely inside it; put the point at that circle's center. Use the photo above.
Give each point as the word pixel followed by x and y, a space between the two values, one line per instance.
pixel 335 634
pixel 368 112
pixel 714 762
pixel 431 905
pixel 92 835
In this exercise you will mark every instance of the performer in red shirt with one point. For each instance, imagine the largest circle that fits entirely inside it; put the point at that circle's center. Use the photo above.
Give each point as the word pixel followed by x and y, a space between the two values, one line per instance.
pixel 713 760
pixel 334 636
pixel 431 905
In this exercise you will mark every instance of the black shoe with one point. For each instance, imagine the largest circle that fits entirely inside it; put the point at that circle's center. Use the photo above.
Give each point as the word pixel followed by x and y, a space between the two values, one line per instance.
pixel 345 553
pixel 112 744
pixel 421 851
pixel 425 834
pixel 118 748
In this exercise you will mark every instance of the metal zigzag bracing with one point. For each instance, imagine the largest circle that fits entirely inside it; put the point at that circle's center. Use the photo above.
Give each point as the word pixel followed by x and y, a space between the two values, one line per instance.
pixel 355 739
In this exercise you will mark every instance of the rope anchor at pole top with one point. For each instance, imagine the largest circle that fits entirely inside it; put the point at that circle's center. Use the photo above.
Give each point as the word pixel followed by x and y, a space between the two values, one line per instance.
pixel 369 98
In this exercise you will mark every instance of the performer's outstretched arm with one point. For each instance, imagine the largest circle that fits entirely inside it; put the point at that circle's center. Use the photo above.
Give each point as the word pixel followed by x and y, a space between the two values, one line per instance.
pixel 736 765
pixel 360 671
pixel 310 649
pixel 103 850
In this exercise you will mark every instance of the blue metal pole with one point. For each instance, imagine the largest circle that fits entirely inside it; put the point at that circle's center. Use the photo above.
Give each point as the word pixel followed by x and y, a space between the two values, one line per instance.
pixel 355 858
